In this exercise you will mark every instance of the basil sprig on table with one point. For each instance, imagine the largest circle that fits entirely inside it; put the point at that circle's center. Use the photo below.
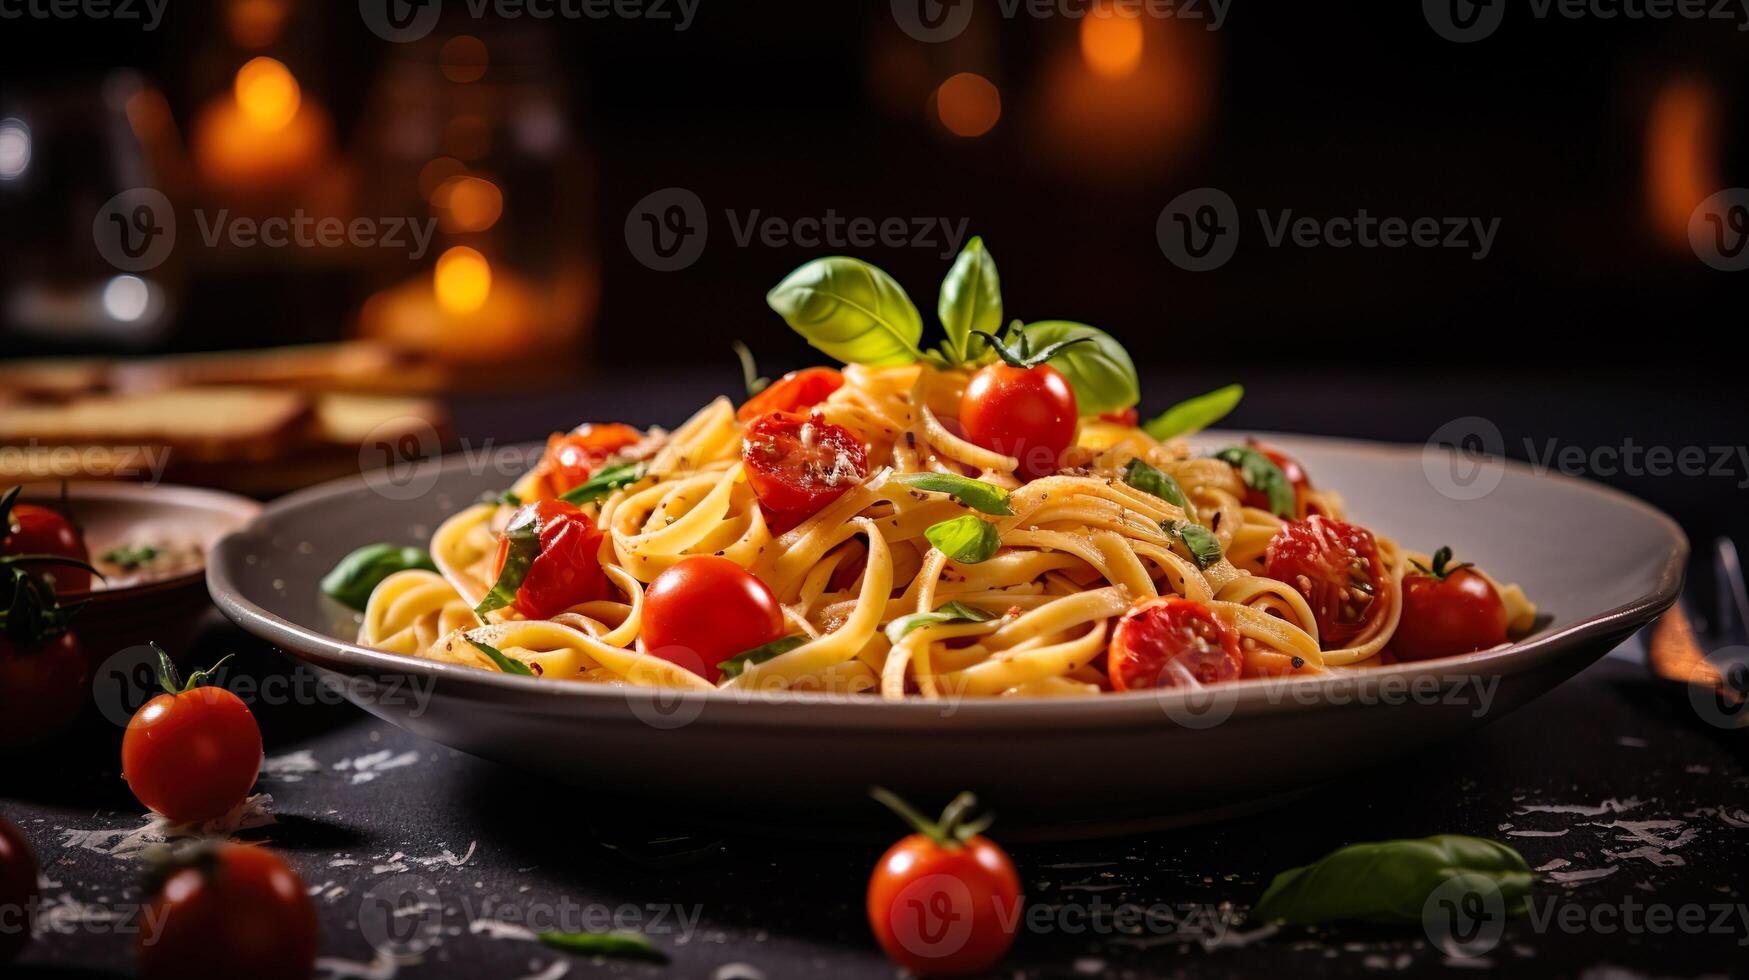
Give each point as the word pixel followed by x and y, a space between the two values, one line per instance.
pixel 953 612
pixel 509 665
pixel 967 540
pixel 359 573
pixel 1194 414
pixel 1157 483
pixel 1260 473
pixel 618 943
pixel 604 482
pixel 857 313
pixel 980 496
pixel 519 554
pixel 1204 547
pixel 733 666
pixel 1389 882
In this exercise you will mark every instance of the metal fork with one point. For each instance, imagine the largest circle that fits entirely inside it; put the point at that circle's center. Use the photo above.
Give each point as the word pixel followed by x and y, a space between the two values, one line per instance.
pixel 1706 658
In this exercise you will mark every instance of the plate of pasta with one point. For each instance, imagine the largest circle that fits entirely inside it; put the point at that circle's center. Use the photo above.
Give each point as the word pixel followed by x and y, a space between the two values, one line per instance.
pixel 923 562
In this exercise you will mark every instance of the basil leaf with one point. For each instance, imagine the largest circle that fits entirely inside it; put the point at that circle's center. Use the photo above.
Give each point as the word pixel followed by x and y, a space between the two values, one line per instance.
pixel 967 540
pixel 1194 414
pixel 509 665
pixel 602 485
pixel 851 310
pixel 358 574
pixel 984 497
pixel 628 945
pixel 1101 373
pixel 1390 881
pixel 1260 473
pixel 971 299
pixel 524 549
pixel 1157 482
pixel 733 666
pixel 1204 547
pixel 131 556
pixel 953 612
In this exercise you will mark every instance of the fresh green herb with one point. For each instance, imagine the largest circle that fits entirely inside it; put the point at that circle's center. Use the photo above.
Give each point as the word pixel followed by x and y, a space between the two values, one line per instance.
pixel 1157 482
pixel 130 556
pixel 967 540
pixel 984 497
pixel 1442 565
pixel 953 612
pixel 1194 414
pixel 733 666
pixel 358 574
pixel 622 944
pixel 750 376
pixel 509 665
pixel 523 549
pixel 851 310
pixel 600 486
pixel 971 301
pixel 1203 545
pixel 171 681
pixel 951 830
pixel 1389 882
pixel 1100 371
pixel 510 498
pixel 1260 473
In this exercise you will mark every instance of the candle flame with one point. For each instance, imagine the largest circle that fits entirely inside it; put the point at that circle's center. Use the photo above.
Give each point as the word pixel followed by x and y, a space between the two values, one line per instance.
pixel 267 93
pixel 463 280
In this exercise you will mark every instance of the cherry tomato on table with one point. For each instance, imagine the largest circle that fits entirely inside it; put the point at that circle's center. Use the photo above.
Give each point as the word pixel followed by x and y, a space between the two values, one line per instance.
pixel 1170 641
pixel 26 529
pixel 193 752
pixel 18 890
pixel 1296 476
pixel 1336 567
pixel 797 464
pixel 566 570
pixel 704 610
pixel 794 392
pixel 43 686
pixel 573 457
pixel 944 901
pixel 1448 610
pixel 229 911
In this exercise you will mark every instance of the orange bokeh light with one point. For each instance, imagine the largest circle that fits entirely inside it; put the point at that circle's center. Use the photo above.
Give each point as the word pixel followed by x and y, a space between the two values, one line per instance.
pixel 1682 155
pixel 463 280
pixel 463 59
pixel 468 204
pixel 267 93
pixel 968 104
pixel 1111 42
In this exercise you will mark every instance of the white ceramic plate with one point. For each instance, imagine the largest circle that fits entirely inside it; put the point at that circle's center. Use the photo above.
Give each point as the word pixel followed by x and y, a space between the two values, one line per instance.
pixel 1598 563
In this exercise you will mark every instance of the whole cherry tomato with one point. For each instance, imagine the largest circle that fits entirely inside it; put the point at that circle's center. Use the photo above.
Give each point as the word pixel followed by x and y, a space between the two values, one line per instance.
pixel 1448 610
pixel 18 890
pixel 944 901
pixel 43 686
pixel 193 752
pixel 1336 567
pixel 794 392
pixel 1296 476
pixel 27 529
pixel 797 464
pixel 1169 642
pixel 226 912
pixel 566 569
pixel 573 457
pixel 704 610
pixel 1024 412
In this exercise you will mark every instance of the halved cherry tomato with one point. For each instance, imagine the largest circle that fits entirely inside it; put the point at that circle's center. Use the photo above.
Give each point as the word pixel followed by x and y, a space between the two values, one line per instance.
pixel 1025 412
pixel 794 392
pixel 568 569
pixel 705 609
pixel 573 457
pixel 798 464
pixel 1448 610
pixel 234 911
pixel 1123 416
pixel 1168 642
pixel 33 530
pixel 192 755
pixel 1336 567
pixel 1295 473
pixel 943 901
pixel 18 890
pixel 42 688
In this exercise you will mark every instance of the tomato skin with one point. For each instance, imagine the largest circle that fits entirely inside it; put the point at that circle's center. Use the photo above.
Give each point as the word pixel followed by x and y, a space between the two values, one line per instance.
pixel 794 392
pixel 1335 566
pixel 940 911
pixel 568 570
pixel 573 457
pixel 37 530
pixel 705 609
pixel 1027 413
pixel 249 916
pixel 1158 640
pixel 42 689
pixel 192 756
pixel 18 890
pixel 797 464
pixel 1123 416
pixel 1444 618
pixel 1295 473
